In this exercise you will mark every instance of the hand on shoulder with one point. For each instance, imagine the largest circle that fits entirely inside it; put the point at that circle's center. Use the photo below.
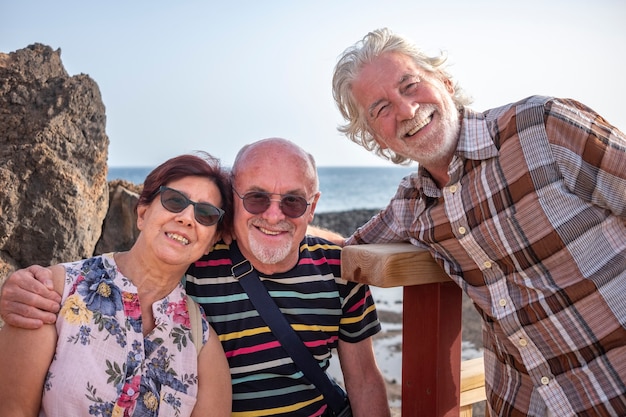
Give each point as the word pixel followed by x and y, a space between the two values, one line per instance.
pixel 30 297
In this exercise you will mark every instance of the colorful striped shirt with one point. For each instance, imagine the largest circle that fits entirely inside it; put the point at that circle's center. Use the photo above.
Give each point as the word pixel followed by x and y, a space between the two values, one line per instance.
pixel 320 306
pixel 532 227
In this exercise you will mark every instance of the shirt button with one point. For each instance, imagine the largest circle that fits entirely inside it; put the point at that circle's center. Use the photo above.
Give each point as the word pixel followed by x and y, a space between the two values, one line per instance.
pixel 545 380
pixel 453 189
pixel 462 230
pixel 523 342
pixel 502 302
pixel 487 264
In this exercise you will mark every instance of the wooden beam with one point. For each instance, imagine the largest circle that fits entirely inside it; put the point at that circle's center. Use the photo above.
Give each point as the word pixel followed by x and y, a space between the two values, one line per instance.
pixel 473 381
pixel 390 265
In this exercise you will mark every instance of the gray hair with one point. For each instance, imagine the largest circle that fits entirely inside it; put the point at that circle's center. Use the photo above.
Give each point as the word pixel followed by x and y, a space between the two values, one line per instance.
pixel 348 68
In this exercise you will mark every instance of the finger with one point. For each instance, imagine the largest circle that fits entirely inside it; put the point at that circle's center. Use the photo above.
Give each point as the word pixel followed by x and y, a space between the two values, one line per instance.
pixel 29 296
pixel 229 238
pixel 49 301
pixel 31 290
pixel 41 274
pixel 23 322
pixel 26 316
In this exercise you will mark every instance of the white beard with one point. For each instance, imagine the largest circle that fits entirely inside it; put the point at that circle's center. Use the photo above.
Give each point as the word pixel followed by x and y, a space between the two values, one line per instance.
pixel 443 149
pixel 270 255
pixel 437 147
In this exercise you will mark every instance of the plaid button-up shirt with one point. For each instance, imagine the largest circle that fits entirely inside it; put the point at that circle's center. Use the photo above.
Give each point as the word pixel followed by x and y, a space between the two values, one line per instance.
pixel 532 227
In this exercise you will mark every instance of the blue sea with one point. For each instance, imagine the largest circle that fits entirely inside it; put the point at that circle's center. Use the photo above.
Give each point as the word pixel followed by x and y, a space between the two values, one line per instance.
pixel 343 188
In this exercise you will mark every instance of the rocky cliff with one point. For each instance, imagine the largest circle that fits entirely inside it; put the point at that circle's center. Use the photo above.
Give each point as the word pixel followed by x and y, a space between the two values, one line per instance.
pixel 53 160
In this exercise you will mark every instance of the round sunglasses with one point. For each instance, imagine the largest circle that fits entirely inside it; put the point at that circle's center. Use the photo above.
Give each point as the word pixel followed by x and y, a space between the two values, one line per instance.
pixel 174 201
pixel 257 202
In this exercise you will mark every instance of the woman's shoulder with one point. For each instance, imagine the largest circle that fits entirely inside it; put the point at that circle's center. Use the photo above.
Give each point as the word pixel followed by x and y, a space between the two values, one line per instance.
pixel 58 277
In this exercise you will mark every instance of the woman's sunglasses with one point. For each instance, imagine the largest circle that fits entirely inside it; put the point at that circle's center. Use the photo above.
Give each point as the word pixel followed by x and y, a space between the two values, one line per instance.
pixel 174 201
pixel 256 202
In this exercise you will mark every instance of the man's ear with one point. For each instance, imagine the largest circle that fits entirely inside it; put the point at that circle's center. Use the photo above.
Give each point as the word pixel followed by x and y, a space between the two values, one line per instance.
pixel 449 85
pixel 314 205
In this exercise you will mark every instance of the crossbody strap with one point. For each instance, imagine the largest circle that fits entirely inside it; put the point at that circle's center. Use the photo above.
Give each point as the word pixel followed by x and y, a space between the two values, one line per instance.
pixel 244 272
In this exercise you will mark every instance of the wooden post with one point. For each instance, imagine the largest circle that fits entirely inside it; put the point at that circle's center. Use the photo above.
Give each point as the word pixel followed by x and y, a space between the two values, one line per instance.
pixel 431 350
pixel 431 322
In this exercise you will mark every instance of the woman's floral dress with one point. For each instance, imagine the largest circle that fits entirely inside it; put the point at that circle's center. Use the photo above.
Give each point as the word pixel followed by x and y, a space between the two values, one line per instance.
pixel 103 365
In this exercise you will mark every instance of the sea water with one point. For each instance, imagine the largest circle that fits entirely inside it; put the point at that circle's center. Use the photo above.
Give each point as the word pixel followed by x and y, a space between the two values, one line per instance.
pixel 343 188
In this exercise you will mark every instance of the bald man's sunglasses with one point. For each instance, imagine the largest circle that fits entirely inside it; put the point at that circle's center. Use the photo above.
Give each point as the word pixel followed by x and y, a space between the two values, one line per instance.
pixel 257 202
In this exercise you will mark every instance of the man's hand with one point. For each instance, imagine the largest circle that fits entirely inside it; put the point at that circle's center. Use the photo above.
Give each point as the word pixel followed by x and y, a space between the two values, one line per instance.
pixel 28 299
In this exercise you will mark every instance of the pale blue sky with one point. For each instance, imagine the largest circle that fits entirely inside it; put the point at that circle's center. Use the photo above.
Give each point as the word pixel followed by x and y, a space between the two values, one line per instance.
pixel 187 75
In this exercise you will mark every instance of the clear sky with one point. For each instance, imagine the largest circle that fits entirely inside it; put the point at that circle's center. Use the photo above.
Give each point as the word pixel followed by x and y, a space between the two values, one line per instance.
pixel 177 76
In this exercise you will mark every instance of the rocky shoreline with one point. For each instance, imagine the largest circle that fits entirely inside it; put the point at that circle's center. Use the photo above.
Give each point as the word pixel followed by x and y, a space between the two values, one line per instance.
pixel 343 222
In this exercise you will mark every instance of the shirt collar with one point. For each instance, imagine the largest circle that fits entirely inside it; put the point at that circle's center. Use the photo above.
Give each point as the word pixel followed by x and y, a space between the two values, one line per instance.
pixel 475 141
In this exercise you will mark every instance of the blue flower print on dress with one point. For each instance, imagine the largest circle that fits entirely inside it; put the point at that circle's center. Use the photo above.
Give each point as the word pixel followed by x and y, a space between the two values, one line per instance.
pixel 98 290
pixel 95 296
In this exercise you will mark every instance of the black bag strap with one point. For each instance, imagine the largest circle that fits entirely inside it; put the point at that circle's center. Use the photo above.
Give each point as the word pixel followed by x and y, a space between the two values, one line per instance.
pixel 244 272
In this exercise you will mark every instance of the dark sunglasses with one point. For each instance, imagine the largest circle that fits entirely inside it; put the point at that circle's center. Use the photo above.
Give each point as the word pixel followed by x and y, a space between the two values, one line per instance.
pixel 256 202
pixel 174 201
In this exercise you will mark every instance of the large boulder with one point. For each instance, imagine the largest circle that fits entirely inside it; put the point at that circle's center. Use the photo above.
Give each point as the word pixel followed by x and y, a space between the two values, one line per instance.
pixel 119 230
pixel 53 160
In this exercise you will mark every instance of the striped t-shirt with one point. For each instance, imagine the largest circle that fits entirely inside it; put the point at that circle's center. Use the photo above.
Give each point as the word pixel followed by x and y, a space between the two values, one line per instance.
pixel 318 304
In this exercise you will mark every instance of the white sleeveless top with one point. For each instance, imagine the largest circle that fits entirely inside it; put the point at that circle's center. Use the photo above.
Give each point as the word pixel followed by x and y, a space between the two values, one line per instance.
pixel 103 366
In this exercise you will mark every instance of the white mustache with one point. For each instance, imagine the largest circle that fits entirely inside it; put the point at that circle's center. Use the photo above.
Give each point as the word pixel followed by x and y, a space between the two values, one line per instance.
pixel 283 226
pixel 419 120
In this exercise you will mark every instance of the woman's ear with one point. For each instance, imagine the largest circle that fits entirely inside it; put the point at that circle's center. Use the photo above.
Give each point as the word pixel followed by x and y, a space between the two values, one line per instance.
pixel 216 238
pixel 141 214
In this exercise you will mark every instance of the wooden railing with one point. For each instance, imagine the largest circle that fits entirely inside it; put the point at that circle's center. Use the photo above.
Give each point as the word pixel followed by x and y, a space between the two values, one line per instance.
pixel 472 385
pixel 434 381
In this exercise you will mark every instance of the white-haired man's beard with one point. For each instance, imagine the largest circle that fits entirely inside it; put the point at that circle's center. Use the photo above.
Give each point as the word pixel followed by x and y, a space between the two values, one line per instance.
pixel 442 139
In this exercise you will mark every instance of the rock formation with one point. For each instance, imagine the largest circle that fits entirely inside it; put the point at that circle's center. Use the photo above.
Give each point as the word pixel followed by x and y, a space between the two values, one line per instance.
pixel 53 160
pixel 119 230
